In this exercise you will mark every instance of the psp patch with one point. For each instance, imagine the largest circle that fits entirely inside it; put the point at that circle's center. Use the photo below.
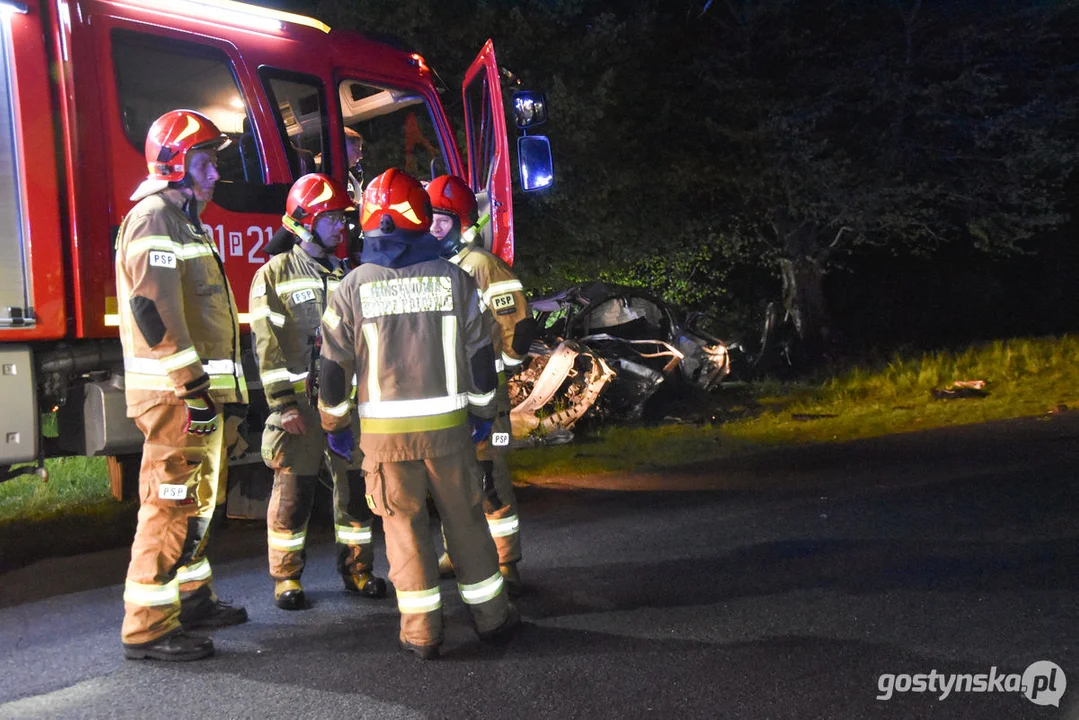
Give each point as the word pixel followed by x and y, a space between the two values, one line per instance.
pixel 172 492
pixel 503 304
pixel 303 296
pixel 160 258
pixel 500 439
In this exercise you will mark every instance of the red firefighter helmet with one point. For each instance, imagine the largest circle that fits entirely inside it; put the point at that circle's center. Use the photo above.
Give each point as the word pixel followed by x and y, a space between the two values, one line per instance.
pixel 173 136
pixel 450 194
pixel 312 195
pixel 168 141
pixel 395 200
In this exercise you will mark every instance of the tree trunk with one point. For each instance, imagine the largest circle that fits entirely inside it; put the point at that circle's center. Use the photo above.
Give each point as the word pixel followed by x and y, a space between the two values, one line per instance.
pixel 802 267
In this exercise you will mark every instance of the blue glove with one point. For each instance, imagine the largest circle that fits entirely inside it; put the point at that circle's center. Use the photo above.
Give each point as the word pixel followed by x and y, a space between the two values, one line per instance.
pixel 481 429
pixel 341 442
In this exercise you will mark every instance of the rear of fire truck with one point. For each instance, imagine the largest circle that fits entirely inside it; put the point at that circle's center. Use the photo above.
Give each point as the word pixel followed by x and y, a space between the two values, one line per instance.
pixel 83 80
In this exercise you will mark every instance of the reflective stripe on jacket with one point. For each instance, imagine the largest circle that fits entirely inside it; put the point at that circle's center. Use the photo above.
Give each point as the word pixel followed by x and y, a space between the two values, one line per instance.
pixel 288 296
pixel 178 320
pixel 409 336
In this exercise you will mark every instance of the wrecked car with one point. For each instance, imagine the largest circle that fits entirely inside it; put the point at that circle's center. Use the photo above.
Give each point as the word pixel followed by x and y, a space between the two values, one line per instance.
pixel 606 349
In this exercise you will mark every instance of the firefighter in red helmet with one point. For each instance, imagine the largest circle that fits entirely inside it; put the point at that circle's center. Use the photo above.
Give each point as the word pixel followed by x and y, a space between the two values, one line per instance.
pixel 288 296
pixel 184 387
pixel 410 328
pixel 455 225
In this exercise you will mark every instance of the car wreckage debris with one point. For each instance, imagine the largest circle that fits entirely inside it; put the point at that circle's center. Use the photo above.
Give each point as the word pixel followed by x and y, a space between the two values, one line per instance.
pixel 606 349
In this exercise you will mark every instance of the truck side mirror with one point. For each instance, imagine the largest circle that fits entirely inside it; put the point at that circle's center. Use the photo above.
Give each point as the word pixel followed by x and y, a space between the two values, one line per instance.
pixel 529 109
pixel 535 163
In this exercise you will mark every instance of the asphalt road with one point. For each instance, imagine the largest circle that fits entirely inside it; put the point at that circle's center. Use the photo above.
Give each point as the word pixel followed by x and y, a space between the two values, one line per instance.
pixel 803 584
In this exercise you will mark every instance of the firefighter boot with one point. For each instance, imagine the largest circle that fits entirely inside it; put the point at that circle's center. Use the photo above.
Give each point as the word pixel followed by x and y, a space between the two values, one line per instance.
pixel 175 646
pixel 423 652
pixel 365 584
pixel 288 595
pixel 512 579
pixel 445 566
pixel 211 612
pixel 502 634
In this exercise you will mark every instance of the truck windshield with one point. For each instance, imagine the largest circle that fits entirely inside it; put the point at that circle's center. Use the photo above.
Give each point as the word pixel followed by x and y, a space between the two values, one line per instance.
pixel 386 128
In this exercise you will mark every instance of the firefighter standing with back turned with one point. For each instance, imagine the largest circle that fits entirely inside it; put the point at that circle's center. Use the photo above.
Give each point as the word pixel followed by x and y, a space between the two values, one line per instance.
pixel 410 326
pixel 184 388
pixel 288 296
pixel 454 206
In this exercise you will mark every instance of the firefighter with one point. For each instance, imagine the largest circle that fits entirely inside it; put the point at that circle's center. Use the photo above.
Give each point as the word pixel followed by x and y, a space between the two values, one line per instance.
pixel 288 296
pixel 410 328
pixel 184 387
pixel 454 225
pixel 354 146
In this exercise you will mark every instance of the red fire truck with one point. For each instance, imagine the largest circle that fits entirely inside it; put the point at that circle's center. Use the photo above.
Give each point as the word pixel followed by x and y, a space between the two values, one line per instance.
pixel 83 80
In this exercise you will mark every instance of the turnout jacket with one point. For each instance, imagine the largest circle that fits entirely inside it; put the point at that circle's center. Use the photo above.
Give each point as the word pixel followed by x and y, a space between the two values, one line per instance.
pixel 288 296
pixel 417 341
pixel 178 319
pixel 504 295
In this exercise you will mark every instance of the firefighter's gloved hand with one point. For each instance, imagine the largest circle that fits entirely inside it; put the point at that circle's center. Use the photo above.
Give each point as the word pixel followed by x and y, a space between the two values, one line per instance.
pixel 202 414
pixel 481 428
pixel 341 442
pixel 292 421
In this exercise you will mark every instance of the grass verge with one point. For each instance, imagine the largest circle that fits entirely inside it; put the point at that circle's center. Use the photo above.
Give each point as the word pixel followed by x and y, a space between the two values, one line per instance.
pixel 1024 377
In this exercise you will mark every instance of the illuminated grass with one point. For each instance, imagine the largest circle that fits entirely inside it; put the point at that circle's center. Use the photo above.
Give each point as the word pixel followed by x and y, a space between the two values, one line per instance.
pixel 1025 377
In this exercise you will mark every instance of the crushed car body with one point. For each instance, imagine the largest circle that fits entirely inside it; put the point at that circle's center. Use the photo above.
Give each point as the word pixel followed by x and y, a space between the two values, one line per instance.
pixel 605 349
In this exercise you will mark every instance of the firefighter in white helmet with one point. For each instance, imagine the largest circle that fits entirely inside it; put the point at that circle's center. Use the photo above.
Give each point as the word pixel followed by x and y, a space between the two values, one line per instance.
pixel 410 328
pixel 454 224
pixel 184 386
pixel 288 296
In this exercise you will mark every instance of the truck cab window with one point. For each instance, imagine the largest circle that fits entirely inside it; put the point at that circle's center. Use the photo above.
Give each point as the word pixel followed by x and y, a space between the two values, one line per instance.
pixel 300 102
pixel 396 130
pixel 155 75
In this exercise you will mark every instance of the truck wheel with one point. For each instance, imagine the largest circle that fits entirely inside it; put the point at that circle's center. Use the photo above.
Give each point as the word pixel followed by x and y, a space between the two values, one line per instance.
pixel 124 476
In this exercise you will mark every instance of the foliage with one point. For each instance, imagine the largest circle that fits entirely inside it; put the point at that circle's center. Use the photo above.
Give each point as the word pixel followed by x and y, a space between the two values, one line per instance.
pixel 715 152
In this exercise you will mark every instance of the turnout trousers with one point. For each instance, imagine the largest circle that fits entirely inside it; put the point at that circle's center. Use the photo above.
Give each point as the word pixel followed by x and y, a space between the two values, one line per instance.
pixel 296 461
pixel 397 492
pixel 168 565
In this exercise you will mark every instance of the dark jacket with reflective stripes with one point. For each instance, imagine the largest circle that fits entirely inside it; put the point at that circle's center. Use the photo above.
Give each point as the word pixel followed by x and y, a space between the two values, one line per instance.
pixel 178 319
pixel 288 296
pixel 418 343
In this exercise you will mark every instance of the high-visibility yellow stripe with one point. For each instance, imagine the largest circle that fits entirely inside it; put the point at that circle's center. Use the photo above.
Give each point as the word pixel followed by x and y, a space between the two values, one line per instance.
pixel 351 535
pixel 331 318
pixel 276 318
pixel 482 591
pixel 138 381
pixel 503 527
pixel 193 573
pixel 336 410
pixel 419 407
pixel 182 359
pixel 481 400
pixel 389 426
pixel 145 595
pixel 449 352
pixel 288 542
pixel 370 336
pixel 183 251
pixel 291 286
pixel 510 361
pixel 413 602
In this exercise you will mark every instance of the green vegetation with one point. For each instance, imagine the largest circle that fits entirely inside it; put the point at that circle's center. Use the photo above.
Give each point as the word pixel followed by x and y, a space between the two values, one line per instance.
pixel 1023 377
pixel 76 486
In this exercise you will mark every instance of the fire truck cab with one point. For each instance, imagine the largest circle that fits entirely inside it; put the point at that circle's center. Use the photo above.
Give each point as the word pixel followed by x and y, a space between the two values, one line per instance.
pixel 84 79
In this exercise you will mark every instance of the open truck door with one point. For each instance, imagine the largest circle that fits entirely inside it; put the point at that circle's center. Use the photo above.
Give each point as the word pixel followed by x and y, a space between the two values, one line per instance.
pixel 488 151
pixel 488 148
